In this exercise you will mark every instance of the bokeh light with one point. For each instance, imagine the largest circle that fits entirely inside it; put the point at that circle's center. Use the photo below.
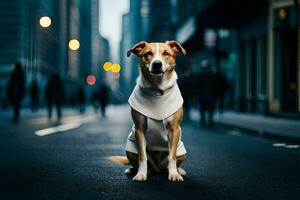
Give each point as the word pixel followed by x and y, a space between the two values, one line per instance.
pixel 91 80
pixel 45 21
pixel 115 68
pixel 107 66
pixel 116 75
pixel 282 14
pixel 74 44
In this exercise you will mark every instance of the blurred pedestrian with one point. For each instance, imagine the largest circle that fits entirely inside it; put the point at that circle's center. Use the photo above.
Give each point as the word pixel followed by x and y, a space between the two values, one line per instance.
pixel 81 99
pixel 95 100
pixel 222 90
pixel 103 98
pixel 55 94
pixel 73 100
pixel 2 97
pixel 207 93
pixel 16 87
pixel 34 95
pixel 187 86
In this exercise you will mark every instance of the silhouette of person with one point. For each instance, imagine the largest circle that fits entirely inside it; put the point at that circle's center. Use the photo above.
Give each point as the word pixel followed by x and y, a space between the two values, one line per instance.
pixel 186 85
pixel 95 100
pixel 207 93
pixel 81 99
pixel 2 97
pixel 222 90
pixel 54 94
pixel 103 98
pixel 34 95
pixel 16 88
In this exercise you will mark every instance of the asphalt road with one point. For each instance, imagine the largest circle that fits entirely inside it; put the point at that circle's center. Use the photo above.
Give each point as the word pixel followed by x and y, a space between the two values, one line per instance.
pixel 70 164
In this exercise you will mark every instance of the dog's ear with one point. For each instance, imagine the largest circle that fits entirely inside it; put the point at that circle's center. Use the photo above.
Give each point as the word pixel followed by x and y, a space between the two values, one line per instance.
pixel 176 47
pixel 137 48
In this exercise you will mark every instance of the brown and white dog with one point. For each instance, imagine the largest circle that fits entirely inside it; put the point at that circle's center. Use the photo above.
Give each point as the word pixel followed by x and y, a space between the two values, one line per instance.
pixel 157 74
pixel 156 108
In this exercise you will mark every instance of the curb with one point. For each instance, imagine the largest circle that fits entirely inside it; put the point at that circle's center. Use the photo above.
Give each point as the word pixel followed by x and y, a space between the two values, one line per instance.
pixel 261 133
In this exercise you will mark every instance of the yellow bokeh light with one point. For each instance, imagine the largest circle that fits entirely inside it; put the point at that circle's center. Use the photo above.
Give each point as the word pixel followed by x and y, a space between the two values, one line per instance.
pixel 282 14
pixel 74 44
pixel 107 66
pixel 115 68
pixel 45 21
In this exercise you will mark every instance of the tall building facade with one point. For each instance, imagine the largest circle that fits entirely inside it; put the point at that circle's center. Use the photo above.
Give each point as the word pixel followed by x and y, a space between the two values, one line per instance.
pixel 145 21
pixel 40 50
pixel 131 34
pixel 255 43
pixel 125 44
pixel 161 20
pixel 93 46
pixel 43 50
pixel 85 40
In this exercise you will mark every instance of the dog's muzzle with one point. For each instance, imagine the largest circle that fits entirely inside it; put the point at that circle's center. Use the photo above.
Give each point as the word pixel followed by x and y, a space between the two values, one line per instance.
pixel 156 67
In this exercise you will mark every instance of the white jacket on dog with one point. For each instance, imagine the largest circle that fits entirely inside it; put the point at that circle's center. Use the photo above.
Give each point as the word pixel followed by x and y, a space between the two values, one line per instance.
pixel 157 105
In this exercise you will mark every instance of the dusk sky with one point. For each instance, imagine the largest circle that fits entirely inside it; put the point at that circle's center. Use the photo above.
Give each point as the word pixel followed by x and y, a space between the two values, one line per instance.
pixel 111 12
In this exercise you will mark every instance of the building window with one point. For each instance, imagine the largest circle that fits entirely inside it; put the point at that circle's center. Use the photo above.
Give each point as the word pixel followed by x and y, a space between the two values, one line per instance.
pixel 261 67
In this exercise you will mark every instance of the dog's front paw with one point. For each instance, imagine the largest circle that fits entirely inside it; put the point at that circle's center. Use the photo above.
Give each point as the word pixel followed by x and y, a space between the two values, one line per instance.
pixel 175 176
pixel 181 171
pixel 140 177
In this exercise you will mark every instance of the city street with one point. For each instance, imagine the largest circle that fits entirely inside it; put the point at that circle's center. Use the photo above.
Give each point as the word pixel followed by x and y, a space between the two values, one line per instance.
pixel 68 161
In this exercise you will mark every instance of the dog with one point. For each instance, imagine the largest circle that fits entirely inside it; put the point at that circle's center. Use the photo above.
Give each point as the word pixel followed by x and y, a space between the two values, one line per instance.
pixel 156 108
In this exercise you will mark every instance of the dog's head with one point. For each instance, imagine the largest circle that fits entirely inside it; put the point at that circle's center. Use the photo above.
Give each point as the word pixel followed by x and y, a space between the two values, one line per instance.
pixel 157 59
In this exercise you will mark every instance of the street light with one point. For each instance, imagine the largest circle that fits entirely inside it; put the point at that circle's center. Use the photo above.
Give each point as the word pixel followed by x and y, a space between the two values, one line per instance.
pixel 74 44
pixel 45 21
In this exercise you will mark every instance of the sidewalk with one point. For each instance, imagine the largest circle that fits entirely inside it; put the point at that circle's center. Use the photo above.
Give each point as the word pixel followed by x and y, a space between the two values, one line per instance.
pixel 277 128
pixel 272 127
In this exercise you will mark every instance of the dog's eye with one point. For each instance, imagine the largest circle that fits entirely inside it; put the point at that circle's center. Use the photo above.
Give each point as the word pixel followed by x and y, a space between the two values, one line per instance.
pixel 148 53
pixel 166 53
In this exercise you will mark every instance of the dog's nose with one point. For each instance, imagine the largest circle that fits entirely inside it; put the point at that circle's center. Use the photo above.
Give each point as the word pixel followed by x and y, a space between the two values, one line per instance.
pixel 157 64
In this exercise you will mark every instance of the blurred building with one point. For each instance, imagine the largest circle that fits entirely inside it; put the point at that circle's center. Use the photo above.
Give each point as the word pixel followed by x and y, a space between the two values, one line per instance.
pixel 11 38
pixel 94 50
pixel 96 38
pixel 125 62
pixel 22 38
pixel 147 20
pixel 131 34
pixel 161 18
pixel 85 39
pixel 73 33
pixel 42 50
pixel 255 43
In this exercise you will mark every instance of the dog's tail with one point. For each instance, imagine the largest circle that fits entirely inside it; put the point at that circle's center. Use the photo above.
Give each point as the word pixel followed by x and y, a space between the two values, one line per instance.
pixel 118 159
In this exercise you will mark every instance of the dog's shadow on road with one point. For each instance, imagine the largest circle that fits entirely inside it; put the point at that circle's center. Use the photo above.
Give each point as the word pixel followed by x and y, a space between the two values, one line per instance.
pixel 158 184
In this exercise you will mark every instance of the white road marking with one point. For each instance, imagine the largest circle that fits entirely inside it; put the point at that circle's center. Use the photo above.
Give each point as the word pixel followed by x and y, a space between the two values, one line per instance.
pixel 292 146
pixel 64 127
pixel 55 129
pixel 289 146
pixel 278 144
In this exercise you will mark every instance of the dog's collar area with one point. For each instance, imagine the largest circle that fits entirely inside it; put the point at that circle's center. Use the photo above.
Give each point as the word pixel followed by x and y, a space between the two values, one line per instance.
pixel 152 91
pixel 155 91
pixel 159 92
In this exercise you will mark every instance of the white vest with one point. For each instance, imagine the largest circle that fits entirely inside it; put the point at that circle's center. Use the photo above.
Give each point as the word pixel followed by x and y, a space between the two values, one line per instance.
pixel 156 104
